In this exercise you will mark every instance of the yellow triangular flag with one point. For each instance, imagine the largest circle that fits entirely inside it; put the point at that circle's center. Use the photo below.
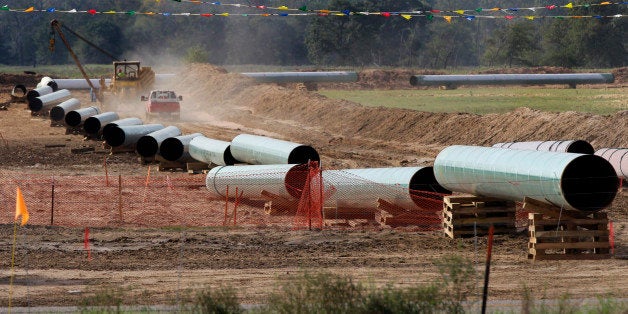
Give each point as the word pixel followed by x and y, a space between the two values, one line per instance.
pixel 569 5
pixel 20 207
pixel 461 12
pixel 31 9
pixel 447 18
pixel 530 17
pixel 406 16
pixel 283 7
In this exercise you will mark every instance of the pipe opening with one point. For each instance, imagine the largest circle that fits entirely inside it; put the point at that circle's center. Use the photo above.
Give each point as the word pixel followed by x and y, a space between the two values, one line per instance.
pixel 589 183
pixel 147 146
pixel 425 181
pixel 115 136
pixel 19 87
pixel 91 125
pixel 73 118
pixel 53 85
pixel 171 149
pixel 57 113
pixel 580 147
pixel 295 180
pixel 414 80
pixel 35 105
pixel 302 154
pixel 228 158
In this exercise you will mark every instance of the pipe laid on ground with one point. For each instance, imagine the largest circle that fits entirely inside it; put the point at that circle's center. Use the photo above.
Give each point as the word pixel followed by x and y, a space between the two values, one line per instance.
pixel 148 145
pixel 46 101
pixel 261 150
pixel 94 124
pixel 303 77
pixel 76 117
pixel 177 148
pixel 39 91
pixel 510 79
pixel 127 135
pixel 573 181
pixel 570 146
pixel 21 88
pixel 618 158
pixel 121 122
pixel 80 83
pixel 47 81
pixel 403 186
pixel 211 151
pixel 58 112
pixel 284 180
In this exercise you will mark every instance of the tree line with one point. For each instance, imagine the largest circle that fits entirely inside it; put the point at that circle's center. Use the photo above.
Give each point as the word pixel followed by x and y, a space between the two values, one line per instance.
pixel 356 40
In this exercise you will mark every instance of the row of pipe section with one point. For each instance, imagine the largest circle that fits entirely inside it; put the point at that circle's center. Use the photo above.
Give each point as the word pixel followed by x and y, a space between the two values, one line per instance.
pixel 350 188
pixel 617 157
pixel 512 79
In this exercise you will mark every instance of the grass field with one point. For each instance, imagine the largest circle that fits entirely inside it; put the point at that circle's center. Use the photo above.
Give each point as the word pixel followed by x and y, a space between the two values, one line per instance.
pixel 482 100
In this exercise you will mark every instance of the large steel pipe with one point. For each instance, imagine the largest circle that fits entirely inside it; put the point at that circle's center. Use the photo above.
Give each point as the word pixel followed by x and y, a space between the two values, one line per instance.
pixel 127 135
pixel 94 124
pixel 39 91
pixel 58 112
pixel 177 148
pixel 79 83
pixel 402 186
pixel 211 151
pixel 261 150
pixel 283 180
pixel 618 157
pixel 76 117
pixel 509 79
pixel 46 101
pixel 571 146
pixel 47 81
pixel 121 122
pixel 297 77
pixel 148 145
pixel 573 181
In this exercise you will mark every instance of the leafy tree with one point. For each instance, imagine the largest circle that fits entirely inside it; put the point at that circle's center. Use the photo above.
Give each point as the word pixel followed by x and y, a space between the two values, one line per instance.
pixel 516 44
pixel 450 45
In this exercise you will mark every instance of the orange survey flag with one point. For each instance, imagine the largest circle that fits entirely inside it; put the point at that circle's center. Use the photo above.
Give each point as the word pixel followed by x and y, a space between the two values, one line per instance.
pixel 20 207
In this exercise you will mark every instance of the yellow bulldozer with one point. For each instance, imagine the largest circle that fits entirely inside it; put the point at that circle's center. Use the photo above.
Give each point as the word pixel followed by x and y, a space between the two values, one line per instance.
pixel 129 79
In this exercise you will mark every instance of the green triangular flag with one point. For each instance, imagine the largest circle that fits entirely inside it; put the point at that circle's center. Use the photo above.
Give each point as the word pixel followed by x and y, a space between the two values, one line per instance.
pixel 131 13
pixel 479 10
pixel 430 17
pixel 5 8
pixel 303 8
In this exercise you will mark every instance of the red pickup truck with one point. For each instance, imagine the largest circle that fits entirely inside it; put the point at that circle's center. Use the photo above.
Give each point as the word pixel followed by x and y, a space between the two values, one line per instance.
pixel 163 104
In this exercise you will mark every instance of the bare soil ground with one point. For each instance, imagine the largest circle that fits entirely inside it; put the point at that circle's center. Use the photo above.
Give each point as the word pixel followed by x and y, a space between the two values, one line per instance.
pixel 153 265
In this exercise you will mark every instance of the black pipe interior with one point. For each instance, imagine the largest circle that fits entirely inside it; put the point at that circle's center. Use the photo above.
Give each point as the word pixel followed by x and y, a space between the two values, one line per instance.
pixel 581 147
pixel 425 181
pixel 589 183
pixel 228 158
pixel 114 136
pixel 73 118
pixel 302 154
pixel 147 146
pixel 57 113
pixel 171 149
pixel 295 180
pixel 91 125
pixel 35 104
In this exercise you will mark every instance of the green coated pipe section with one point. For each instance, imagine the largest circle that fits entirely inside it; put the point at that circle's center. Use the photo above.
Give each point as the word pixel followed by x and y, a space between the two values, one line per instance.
pixel 572 181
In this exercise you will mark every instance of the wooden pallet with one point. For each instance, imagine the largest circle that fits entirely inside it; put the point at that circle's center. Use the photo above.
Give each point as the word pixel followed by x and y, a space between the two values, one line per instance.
pixel 568 238
pixel 473 215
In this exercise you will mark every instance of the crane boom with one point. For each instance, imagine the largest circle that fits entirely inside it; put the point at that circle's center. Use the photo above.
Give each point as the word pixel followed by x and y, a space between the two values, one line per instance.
pixel 56 26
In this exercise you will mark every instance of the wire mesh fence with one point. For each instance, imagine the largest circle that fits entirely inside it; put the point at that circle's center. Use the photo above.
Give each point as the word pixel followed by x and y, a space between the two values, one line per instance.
pixel 292 197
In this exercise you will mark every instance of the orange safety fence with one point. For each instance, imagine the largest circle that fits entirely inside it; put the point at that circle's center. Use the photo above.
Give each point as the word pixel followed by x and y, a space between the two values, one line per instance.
pixel 177 199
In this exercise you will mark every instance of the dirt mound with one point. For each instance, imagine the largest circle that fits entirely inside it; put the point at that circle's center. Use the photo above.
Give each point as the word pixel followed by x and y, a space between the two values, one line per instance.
pixel 621 75
pixel 307 110
pixel 381 79
pixel 529 70
pixel 27 79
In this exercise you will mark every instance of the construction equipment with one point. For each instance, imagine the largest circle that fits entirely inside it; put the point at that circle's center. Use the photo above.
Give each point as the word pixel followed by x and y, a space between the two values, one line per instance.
pixel 128 79
pixel 162 103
